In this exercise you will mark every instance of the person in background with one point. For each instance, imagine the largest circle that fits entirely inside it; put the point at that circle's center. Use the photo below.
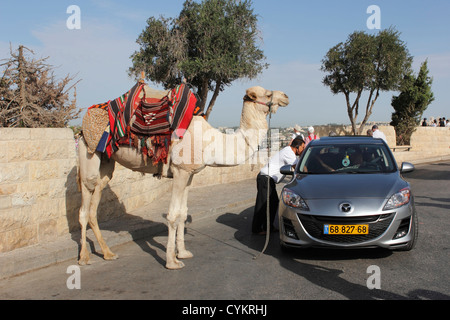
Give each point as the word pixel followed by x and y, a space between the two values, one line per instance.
pixel 311 136
pixel 377 134
pixel 424 122
pixel 296 134
pixel 266 182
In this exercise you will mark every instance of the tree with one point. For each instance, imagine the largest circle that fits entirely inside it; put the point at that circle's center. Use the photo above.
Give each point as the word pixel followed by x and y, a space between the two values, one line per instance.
pixel 410 104
pixel 365 62
pixel 31 96
pixel 211 44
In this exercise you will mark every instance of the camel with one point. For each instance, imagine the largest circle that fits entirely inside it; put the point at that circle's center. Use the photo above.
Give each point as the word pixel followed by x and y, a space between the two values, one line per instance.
pixel 201 146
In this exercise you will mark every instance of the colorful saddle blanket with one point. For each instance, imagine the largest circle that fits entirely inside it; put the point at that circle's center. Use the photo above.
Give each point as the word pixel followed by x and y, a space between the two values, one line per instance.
pixel 172 113
pixel 133 120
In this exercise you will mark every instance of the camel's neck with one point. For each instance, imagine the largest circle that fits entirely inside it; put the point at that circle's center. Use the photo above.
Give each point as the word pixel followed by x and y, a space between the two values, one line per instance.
pixel 252 118
pixel 253 128
pixel 237 148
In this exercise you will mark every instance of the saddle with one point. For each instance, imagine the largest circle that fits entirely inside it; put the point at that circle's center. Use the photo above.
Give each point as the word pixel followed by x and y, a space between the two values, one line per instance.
pixel 142 119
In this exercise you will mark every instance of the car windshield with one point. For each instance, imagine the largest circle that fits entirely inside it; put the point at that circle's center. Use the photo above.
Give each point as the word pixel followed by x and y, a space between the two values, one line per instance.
pixel 346 158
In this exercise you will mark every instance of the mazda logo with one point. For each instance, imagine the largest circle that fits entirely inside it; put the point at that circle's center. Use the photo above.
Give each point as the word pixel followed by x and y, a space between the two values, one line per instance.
pixel 345 207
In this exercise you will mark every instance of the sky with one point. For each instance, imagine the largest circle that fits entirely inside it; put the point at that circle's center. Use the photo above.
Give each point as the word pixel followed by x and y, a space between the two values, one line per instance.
pixel 295 37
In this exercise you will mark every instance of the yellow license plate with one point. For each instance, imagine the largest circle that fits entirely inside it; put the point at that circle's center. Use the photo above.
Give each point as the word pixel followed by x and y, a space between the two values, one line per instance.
pixel 336 229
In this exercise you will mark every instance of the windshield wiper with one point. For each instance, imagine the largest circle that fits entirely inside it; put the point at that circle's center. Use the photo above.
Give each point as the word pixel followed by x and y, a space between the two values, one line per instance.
pixel 312 172
pixel 358 172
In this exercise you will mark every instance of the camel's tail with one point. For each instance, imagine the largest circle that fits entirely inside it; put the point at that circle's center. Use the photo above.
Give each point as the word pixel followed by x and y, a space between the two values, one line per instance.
pixel 78 179
pixel 78 167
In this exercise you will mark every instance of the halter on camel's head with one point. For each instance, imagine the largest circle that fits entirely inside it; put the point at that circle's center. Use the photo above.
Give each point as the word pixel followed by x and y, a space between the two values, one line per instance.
pixel 270 99
pixel 268 104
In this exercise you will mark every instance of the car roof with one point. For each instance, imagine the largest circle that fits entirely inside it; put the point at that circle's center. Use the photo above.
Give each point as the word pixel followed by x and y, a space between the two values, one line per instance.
pixel 346 140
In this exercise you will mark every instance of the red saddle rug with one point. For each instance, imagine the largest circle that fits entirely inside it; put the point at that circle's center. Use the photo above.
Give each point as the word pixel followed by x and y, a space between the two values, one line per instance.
pixel 133 121
pixel 172 113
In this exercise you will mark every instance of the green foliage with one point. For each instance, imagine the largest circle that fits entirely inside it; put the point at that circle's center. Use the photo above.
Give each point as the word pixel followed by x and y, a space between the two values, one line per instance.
pixel 162 49
pixel 211 44
pixel 410 104
pixel 366 62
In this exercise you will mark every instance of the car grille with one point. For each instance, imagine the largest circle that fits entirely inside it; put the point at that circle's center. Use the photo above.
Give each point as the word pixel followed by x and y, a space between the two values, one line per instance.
pixel 378 224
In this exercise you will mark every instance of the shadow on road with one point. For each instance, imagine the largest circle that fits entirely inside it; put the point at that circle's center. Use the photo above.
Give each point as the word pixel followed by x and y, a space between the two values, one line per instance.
pixel 113 217
pixel 301 262
pixel 434 171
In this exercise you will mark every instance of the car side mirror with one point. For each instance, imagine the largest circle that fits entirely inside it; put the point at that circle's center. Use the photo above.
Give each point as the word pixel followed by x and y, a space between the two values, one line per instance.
pixel 287 170
pixel 407 167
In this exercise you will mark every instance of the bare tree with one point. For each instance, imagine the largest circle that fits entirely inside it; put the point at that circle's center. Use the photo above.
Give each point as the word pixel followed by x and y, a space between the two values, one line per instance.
pixel 31 96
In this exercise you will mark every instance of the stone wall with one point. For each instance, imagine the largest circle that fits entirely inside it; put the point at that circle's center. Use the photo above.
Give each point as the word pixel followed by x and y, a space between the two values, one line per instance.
pixel 39 197
pixel 36 168
pixel 427 144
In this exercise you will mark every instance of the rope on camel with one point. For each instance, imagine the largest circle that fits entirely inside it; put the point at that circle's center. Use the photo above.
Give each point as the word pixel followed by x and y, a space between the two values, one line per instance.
pixel 269 141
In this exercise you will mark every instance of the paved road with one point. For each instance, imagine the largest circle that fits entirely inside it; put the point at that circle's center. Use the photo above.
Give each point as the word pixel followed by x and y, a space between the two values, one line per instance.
pixel 224 266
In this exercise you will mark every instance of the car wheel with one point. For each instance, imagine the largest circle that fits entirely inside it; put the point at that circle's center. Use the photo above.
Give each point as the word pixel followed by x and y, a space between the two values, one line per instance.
pixel 414 233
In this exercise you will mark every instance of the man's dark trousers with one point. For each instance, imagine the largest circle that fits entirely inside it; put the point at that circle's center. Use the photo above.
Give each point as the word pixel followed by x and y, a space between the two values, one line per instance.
pixel 263 183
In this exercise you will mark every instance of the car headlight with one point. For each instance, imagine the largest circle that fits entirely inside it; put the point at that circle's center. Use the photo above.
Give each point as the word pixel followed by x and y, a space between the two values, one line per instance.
pixel 292 199
pixel 399 199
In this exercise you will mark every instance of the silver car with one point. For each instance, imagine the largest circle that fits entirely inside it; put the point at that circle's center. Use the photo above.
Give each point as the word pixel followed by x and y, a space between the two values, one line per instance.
pixel 347 192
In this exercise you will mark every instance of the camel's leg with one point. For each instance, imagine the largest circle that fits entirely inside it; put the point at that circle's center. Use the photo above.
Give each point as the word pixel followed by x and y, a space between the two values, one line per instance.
pixel 182 252
pixel 176 217
pixel 86 196
pixel 88 174
pixel 93 177
pixel 106 170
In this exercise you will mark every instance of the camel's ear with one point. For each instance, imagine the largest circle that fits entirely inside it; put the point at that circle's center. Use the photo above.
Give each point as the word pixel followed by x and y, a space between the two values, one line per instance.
pixel 251 94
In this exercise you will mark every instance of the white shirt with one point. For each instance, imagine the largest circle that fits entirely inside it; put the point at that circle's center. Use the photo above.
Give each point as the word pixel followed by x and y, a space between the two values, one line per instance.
pixel 377 134
pixel 283 157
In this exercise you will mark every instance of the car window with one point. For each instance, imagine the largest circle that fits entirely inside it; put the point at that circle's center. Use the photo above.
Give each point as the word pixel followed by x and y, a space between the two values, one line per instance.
pixel 348 158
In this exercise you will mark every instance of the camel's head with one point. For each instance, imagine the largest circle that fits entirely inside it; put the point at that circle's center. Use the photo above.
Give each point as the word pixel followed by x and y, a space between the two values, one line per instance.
pixel 264 99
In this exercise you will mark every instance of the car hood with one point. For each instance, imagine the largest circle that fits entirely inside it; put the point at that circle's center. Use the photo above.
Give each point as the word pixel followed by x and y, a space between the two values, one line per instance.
pixel 338 186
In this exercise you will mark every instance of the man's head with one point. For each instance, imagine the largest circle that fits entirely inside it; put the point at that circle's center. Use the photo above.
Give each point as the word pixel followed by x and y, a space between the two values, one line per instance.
pixel 298 145
pixel 374 127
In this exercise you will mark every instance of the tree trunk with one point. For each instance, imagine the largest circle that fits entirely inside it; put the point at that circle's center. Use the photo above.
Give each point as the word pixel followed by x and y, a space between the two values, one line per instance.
pixel 213 100
pixel 203 94
pixel 369 108
pixel 21 69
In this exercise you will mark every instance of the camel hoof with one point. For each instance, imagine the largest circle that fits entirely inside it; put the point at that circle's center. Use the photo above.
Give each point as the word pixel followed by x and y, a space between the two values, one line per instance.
pixel 175 265
pixel 84 262
pixel 185 255
pixel 110 256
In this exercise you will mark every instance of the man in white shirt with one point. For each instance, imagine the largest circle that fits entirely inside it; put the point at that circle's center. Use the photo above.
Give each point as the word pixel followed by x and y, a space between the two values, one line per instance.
pixel 266 180
pixel 377 134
